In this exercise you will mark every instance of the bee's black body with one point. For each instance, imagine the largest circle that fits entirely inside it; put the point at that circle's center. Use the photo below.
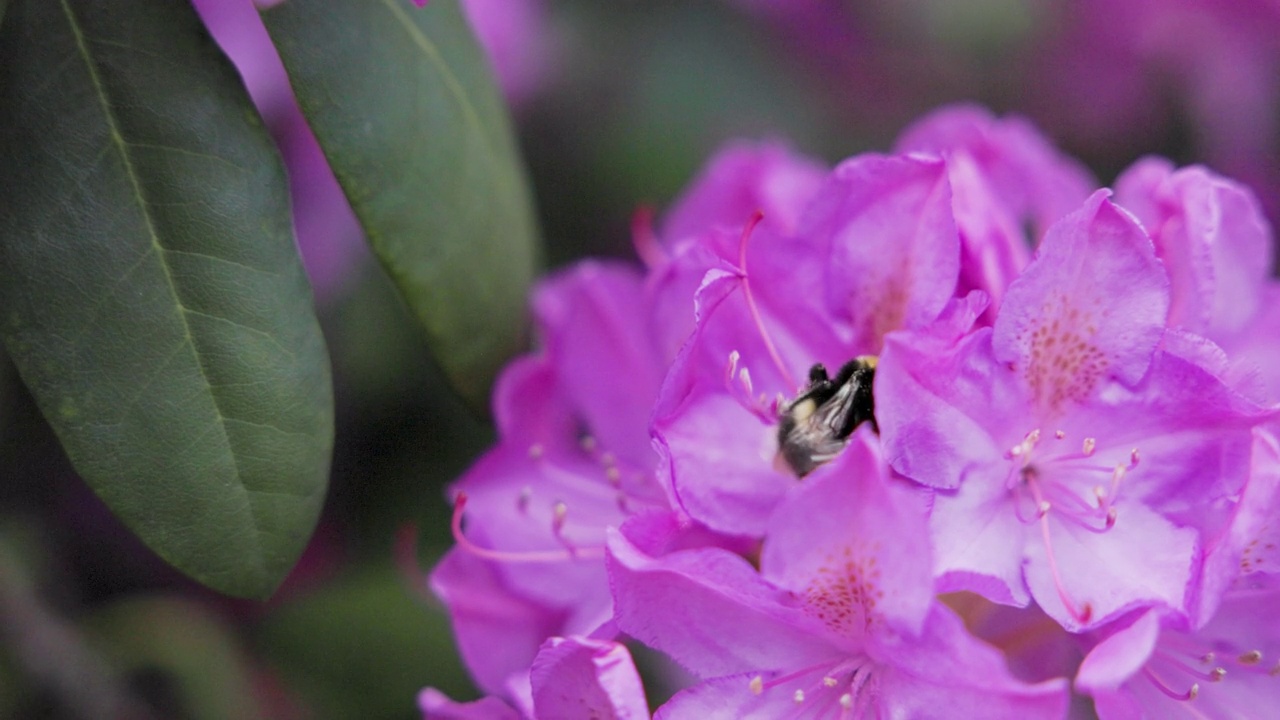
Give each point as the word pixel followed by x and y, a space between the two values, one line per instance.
pixel 814 427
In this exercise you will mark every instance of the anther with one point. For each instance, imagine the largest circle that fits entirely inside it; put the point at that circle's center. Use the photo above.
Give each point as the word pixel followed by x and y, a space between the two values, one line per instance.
pixel 559 512
pixel 1209 657
pixel 607 459
pixel 1044 508
pixel 1216 674
pixel 757 685
pixel 1133 458
pixel 535 451
pixel 532 556
pixel 588 443
pixel 1253 657
pixel 522 501
pixel 829 681
pixel 613 475
pixel 1060 434
pixel 798 697
pixel 846 701
pixel 1088 446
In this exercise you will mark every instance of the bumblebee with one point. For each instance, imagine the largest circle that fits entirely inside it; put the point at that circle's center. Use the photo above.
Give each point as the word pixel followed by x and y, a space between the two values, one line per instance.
pixel 815 426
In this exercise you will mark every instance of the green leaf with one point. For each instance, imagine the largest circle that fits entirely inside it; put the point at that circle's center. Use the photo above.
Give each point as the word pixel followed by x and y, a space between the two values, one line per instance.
pixel 403 104
pixel 151 295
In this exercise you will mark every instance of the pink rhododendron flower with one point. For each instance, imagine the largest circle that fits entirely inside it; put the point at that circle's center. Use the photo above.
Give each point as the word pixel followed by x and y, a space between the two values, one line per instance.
pixel 573 459
pixel 1069 448
pixel 1070 464
pixel 839 620
pixel 823 293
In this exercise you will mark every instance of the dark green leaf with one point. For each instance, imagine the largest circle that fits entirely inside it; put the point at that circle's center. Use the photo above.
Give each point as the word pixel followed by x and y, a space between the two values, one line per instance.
pixel 404 107
pixel 152 298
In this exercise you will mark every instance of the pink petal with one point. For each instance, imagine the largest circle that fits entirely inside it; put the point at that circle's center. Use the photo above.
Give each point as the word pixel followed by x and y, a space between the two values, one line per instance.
pixel 1142 560
pixel 948 673
pixel 1092 305
pixel 498 633
pixel 594 327
pixel 743 178
pixel 895 251
pixel 850 547
pixel 1032 178
pixel 579 677
pixel 720 462
pixel 436 706
pixel 1121 655
pixel 978 540
pixel 710 611
pixel 943 410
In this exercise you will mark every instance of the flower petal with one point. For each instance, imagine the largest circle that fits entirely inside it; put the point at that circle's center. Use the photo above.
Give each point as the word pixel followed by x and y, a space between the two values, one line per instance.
pixel 498 633
pixel 1142 560
pixel 851 547
pixel 710 611
pixel 1092 305
pixel 580 677
pixel 595 332
pixel 895 251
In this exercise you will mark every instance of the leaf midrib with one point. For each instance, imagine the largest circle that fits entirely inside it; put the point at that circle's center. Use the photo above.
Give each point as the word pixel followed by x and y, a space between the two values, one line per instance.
pixel 121 144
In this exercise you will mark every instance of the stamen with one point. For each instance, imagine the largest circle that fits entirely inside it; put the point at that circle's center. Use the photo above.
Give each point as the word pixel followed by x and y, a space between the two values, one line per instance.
pixel 531 556
pixel 757 685
pixel 607 458
pixel 535 451
pixel 644 240
pixel 798 698
pixel 1188 695
pixel 1088 446
pixel 829 681
pixel 588 443
pixel 846 701
pixel 1060 434
pixel 756 217
pixel 1084 612
pixel 1253 657
pixel 613 475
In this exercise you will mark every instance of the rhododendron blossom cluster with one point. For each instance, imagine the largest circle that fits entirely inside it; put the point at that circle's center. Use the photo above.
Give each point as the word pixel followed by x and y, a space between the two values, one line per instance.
pixel 1065 498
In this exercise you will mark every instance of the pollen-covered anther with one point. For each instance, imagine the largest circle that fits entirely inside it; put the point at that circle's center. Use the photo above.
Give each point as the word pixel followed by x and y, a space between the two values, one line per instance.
pixel 798 697
pixel 1253 657
pixel 830 681
pixel 756 685
pixel 1044 508
pixel 1028 444
pixel 1060 434
pixel 1217 674
pixel 1194 692
pixel 846 701
pixel 1088 446
pixel 559 512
